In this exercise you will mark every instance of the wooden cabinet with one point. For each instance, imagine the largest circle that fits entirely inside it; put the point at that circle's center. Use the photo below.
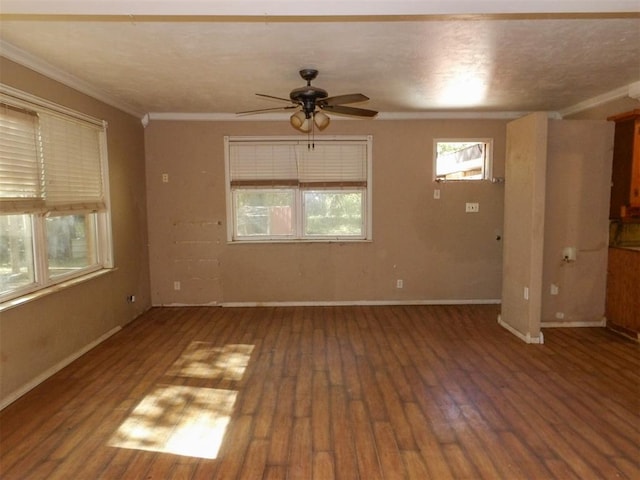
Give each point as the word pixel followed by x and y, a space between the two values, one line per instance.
pixel 623 291
pixel 625 175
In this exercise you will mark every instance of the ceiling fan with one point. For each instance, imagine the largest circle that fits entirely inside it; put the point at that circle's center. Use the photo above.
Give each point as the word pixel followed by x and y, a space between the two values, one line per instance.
pixel 311 103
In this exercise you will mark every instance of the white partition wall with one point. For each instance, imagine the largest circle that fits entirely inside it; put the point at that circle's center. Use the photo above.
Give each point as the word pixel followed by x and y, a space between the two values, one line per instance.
pixel 525 177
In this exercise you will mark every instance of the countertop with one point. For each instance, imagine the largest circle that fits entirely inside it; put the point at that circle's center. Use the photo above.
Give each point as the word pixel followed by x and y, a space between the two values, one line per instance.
pixel 622 247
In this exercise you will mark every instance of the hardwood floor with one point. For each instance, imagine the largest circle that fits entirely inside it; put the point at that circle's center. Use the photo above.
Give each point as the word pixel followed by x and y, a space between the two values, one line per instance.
pixel 424 392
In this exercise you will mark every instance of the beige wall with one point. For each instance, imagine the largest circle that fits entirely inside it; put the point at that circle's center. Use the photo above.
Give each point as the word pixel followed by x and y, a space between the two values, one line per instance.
pixel 577 215
pixel 42 334
pixel 439 251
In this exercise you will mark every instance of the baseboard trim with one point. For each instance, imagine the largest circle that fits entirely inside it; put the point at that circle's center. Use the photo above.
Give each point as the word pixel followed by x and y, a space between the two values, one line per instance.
pixel 348 303
pixel 12 397
pixel 527 338
pixel 594 323
pixel 177 304
pixel 624 331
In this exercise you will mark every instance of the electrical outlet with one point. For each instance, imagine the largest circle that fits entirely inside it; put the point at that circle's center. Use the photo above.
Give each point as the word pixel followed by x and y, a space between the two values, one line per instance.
pixel 436 194
pixel 569 254
pixel 472 207
pixel 165 178
pixel 554 289
pixel 176 285
pixel 399 283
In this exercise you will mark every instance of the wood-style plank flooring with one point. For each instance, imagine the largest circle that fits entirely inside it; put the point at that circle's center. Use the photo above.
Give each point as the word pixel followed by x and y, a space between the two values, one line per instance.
pixel 317 393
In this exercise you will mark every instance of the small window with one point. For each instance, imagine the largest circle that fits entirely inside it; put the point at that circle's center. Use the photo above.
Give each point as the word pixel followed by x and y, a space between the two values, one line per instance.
pixel 462 159
pixel 283 189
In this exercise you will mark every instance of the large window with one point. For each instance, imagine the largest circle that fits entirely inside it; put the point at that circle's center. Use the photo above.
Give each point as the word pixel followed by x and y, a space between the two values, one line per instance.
pixel 462 159
pixel 284 189
pixel 54 222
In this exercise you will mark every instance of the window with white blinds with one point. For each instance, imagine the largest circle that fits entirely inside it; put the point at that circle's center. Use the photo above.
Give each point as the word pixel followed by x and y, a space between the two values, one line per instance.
pixel 54 218
pixel 283 189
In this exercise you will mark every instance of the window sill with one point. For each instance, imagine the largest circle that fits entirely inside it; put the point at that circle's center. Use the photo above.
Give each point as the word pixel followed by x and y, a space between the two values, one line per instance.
pixel 298 241
pixel 29 297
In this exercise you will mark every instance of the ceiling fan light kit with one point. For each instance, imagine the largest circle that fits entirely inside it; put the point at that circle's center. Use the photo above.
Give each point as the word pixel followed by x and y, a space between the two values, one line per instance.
pixel 311 101
pixel 321 120
pixel 299 121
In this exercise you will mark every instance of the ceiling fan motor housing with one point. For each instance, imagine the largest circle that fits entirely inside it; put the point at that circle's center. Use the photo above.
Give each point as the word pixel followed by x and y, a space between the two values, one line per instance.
pixel 307 97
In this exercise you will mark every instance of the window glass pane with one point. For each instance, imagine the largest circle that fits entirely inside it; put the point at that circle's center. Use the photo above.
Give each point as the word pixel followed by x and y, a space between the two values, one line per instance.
pixel 262 212
pixel 333 213
pixel 16 252
pixel 71 243
pixel 460 160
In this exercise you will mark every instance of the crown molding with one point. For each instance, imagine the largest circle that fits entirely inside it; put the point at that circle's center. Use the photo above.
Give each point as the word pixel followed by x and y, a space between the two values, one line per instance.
pixel 39 65
pixel 278 117
pixel 452 115
pixel 632 90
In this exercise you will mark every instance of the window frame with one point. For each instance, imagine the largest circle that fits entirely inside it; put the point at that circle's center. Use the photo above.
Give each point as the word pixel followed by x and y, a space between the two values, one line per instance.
pixel 299 188
pixel 103 242
pixel 487 171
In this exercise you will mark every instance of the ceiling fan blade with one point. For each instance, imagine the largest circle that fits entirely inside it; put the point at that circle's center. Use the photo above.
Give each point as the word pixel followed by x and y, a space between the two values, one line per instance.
pixel 358 112
pixel 275 98
pixel 262 110
pixel 340 99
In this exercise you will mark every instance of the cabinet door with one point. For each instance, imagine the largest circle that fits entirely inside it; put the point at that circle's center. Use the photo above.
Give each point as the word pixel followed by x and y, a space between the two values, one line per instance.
pixel 634 194
pixel 622 166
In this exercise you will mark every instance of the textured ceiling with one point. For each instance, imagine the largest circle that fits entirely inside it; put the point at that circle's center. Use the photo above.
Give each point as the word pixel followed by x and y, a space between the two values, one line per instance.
pixel 407 64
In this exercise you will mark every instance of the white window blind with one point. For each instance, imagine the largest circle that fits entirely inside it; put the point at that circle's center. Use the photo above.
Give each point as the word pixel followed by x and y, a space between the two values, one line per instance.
pixel 286 163
pixel 49 162
pixel 72 167
pixel 20 165
pixel 336 163
pixel 271 163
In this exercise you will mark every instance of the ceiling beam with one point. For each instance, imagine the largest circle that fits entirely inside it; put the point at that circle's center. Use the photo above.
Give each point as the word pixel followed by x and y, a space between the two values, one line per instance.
pixel 313 8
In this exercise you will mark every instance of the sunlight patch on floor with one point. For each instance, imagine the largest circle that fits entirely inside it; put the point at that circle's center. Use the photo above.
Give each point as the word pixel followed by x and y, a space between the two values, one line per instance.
pixel 188 421
pixel 203 360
